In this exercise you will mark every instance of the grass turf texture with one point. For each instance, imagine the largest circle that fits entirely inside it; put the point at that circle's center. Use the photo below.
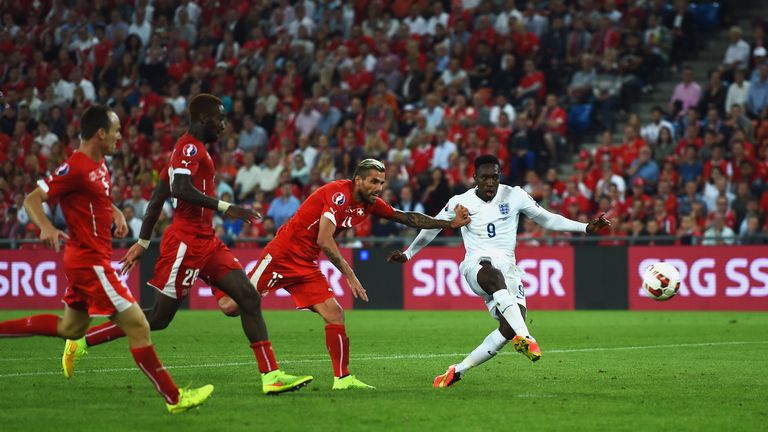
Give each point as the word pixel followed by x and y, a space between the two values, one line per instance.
pixel 600 371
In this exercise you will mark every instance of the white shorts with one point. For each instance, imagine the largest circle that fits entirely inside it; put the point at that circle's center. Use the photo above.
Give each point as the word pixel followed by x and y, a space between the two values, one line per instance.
pixel 512 279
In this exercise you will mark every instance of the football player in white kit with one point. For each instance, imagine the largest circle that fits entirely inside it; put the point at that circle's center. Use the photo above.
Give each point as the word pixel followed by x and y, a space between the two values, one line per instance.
pixel 489 264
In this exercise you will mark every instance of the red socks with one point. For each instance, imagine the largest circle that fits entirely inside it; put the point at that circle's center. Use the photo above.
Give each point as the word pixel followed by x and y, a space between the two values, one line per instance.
pixel 40 325
pixel 148 362
pixel 338 347
pixel 103 333
pixel 265 356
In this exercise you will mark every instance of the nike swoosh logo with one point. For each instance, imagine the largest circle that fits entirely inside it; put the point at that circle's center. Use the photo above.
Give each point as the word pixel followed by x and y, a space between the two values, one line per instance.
pixel 472 214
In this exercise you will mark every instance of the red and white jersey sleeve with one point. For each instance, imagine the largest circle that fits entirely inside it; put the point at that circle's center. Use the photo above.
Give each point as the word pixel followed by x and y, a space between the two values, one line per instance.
pixel 380 208
pixel 62 181
pixel 186 157
pixel 335 201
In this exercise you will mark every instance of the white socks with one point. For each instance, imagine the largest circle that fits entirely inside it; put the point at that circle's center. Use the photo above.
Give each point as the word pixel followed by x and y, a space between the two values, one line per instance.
pixel 511 312
pixel 492 344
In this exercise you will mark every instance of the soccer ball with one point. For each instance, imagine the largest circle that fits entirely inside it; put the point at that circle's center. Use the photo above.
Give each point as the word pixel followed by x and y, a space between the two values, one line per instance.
pixel 661 281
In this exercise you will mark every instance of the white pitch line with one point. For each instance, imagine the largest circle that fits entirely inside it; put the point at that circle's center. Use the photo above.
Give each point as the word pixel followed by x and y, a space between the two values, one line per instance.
pixel 392 357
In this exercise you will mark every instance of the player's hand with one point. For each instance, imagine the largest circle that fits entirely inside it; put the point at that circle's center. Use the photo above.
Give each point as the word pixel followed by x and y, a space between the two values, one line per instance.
pixel 121 225
pixel 397 256
pixel 462 216
pixel 131 258
pixel 237 212
pixel 594 226
pixel 357 288
pixel 52 237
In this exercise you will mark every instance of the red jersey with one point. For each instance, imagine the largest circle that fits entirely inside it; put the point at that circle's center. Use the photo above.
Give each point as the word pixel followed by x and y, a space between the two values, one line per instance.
pixel 334 201
pixel 190 157
pixel 83 188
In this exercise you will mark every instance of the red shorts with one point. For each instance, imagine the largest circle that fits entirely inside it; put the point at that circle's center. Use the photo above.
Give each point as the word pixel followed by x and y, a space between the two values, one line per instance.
pixel 97 290
pixel 302 279
pixel 184 258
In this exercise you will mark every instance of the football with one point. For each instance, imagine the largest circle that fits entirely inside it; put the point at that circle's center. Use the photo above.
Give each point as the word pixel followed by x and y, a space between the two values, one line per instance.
pixel 661 281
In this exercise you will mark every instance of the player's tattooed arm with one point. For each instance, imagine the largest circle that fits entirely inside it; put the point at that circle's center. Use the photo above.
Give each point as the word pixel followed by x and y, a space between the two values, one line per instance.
pixel 328 245
pixel 160 193
pixel 422 221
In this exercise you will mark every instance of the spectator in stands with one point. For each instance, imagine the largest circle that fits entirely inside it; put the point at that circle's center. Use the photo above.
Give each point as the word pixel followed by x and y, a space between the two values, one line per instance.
pixel 719 233
pixel 608 178
pixel 657 39
pixel 443 150
pixel 757 95
pixel 134 223
pixel 436 193
pixel 651 131
pixel 681 22
pixel 758 57
pixel 713 96
pixel 270 172
pixel 253 138
pixel 284 206
pixel 752 234
pixel 644 167
pixel 532 85
pixel 580 88
pixel 11 227
pixel 688 92
pixel 247 178
pixel 690 169
pixel 737 91
pixel 137 201
pixel 686 202
pixel 737 53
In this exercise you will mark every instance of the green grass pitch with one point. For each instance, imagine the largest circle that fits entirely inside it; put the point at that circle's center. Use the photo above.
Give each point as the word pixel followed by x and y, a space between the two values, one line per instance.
pixel 675 371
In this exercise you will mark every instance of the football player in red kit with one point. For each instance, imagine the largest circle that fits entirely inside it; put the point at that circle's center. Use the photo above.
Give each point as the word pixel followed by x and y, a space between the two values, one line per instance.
pixel 83 187
pixel 290 260
pixel 190 248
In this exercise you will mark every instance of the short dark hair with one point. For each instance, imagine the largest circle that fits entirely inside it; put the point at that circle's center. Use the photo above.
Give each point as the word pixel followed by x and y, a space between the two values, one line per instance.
pixel 203 103
pixel 94 118
pixel 485 160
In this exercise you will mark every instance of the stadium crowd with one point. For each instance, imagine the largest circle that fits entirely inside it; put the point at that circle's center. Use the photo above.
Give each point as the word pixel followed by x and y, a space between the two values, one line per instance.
pixel 312 87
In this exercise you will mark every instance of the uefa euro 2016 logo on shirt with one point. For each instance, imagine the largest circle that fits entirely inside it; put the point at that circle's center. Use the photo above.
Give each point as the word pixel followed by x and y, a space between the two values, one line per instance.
pixel 504 208
pixel 63 169
pixel 189 150
pixel 338 198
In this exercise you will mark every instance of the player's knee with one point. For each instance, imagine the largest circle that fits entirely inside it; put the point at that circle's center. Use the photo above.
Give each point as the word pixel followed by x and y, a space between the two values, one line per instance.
pixel 229 307
pixel 332 314
pixel 250 301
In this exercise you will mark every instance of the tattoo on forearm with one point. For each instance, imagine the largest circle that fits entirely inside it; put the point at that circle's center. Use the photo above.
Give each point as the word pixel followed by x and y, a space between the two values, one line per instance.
pixel 334 258
pixel 420 220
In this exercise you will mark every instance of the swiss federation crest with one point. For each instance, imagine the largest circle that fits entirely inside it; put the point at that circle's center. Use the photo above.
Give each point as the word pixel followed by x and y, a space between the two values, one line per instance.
pixel 504 209
pixel 189 150
pixel 62 170
pixel 338 198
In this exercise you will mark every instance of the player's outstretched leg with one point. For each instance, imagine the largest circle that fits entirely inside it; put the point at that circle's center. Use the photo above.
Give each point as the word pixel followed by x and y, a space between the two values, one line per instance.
pixel 491 280
pixel 133 322
pixel 491 345
pixel 73 325
pixel 337 342
pixel 159 316
pixel 273 380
